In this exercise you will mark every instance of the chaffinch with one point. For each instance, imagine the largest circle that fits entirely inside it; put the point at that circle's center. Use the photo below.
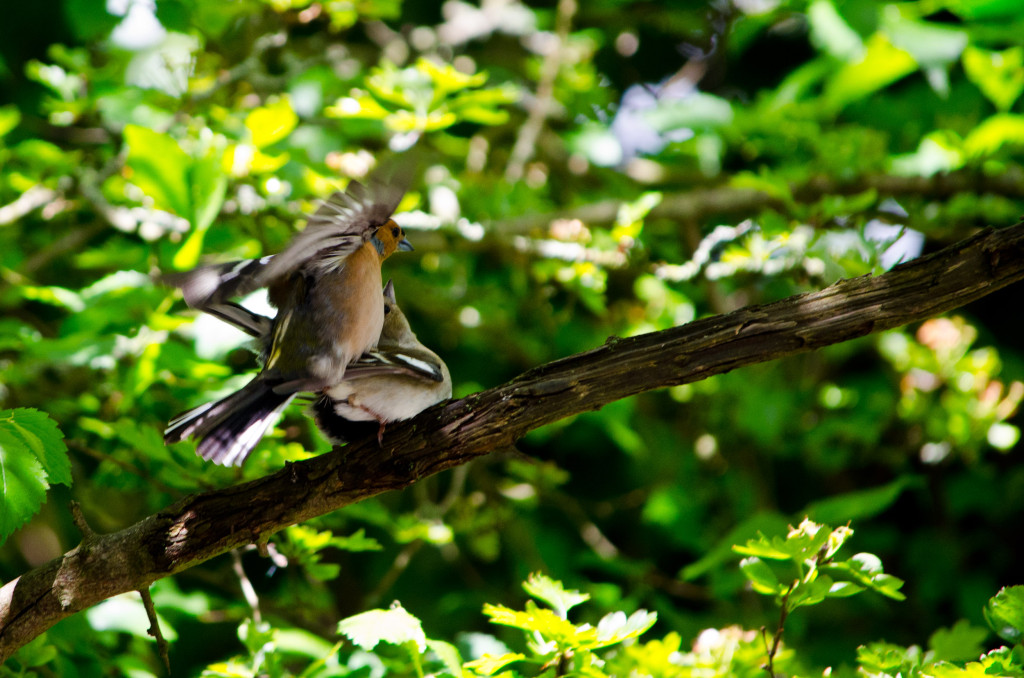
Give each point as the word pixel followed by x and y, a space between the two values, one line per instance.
pixel 396 381
pixel 326 285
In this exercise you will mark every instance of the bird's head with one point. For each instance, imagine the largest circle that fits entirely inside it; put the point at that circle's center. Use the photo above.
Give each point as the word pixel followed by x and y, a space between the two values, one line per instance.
pixel 389 238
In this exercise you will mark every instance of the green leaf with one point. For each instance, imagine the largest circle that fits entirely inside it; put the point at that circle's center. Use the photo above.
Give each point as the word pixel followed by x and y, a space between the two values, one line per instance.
pixel 357 542
pixel 1002 129
pixel 489 664
pixel 958 643
pixel 886 658
pixel 882 65
pixel 160 167
pixel 810 593
pixel 31 448
pixel 271 123
pixel 842 508
pixel 999 75
pixel 866 570
pixel 395 626
pixel 616 627
pixel 930 44
pixel 448 654
pixel 36 652
pixel 800 544
pixel 950 670
pixel 553 593
pixel 209 185
pixel 542 621
pixel 844 589
pixel 44 439
pixel 10 116
pixel 830 33
pixel 761 577
pixel 1004 613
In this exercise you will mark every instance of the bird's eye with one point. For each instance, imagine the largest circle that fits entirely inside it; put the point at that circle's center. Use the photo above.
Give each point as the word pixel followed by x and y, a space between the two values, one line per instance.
pixel 395 231
pixel 387 309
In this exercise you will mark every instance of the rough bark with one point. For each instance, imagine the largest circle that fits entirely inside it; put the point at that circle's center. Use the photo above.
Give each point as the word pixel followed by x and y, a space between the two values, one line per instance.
pixel 202 526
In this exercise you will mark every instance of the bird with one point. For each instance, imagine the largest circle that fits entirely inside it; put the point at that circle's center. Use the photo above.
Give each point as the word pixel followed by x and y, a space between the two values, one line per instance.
pixel 395 381
pixel 326 285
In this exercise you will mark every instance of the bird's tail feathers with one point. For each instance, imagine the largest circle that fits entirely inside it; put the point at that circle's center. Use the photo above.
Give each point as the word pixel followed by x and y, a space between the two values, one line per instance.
pixel 230 428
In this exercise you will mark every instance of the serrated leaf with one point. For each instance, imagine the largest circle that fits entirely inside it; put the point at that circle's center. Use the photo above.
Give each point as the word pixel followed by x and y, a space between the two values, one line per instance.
pixel 539 620
pixel 1004 613
pixel 958 643
pixel 887 658
pixel 395 626
pixel 950 670
pixel 553 593
pixel 22 483
pixel 43 437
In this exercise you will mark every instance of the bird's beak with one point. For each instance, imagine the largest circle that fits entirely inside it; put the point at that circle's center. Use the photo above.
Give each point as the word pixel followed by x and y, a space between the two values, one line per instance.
pixel 404 245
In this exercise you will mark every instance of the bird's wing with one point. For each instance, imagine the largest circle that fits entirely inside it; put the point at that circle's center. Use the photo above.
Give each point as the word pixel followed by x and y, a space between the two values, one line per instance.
pixel 210 285
pixel 339 226
pixel 378 362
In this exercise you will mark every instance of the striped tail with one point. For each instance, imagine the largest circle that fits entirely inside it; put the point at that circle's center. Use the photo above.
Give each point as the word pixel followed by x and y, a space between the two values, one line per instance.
pixel 230 428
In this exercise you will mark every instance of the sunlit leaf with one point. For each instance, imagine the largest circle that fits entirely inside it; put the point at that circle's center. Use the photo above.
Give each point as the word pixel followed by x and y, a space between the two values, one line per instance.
pixel 553 593
pixel 271 123
pixel 488 665
pixel 395 626
pixel 1004 613
pixel 160 168
pixel 999 75
pixel 882 65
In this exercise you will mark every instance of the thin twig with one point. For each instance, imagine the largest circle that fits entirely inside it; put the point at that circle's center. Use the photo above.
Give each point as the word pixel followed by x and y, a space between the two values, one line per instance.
pixel 78 518
pixel 32 199
pixel 247 588
pixel 162 646
pixel 770 666
pixel 399 566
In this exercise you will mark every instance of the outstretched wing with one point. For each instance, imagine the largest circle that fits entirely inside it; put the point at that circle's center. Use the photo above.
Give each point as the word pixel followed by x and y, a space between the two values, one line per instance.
pixel 340 225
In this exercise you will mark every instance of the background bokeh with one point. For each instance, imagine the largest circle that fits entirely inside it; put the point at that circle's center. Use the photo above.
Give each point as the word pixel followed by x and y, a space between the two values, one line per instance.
pixel 584 169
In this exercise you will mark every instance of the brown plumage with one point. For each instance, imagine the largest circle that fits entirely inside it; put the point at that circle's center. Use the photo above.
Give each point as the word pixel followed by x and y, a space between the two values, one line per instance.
pixel 326 285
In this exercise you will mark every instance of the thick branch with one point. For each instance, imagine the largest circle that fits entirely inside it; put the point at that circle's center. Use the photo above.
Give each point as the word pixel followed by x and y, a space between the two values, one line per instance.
pixel 202 526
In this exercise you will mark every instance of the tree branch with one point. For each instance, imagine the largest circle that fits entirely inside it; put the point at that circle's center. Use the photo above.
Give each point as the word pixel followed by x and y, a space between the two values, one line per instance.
pixel 205 525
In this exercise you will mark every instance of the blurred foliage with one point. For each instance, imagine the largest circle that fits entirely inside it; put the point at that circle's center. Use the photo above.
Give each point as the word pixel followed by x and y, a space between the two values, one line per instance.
pixel 583 170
